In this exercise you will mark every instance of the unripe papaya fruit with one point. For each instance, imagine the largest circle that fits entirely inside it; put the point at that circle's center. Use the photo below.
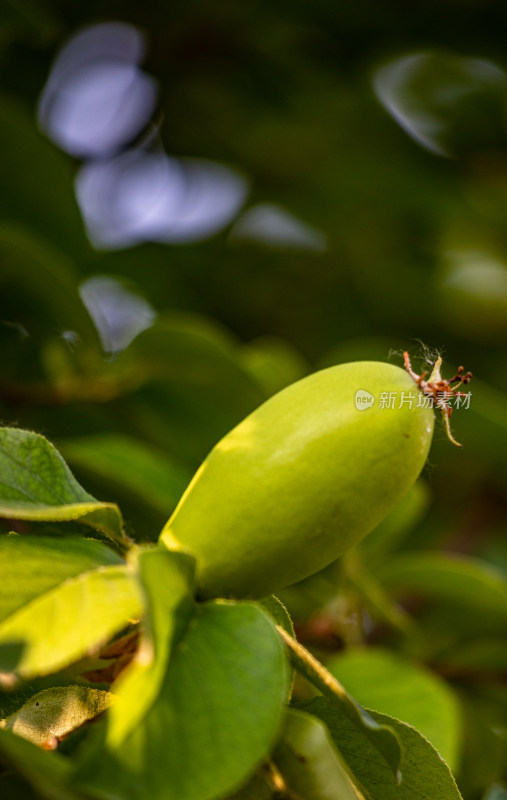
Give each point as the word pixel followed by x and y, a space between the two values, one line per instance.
pixel 302 479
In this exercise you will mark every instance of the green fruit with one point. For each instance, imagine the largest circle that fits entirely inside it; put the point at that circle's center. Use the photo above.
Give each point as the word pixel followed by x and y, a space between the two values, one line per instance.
pixel 301 480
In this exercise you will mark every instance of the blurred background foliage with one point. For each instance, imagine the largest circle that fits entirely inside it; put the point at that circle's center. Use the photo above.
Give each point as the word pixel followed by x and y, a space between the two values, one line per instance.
pixel 202 203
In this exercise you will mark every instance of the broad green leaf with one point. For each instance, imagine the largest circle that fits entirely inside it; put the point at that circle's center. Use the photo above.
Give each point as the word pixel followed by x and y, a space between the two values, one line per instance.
pixel 36 484
pixel 394 685
pixel 309 762
pixel 216 718
pixel 131 464
pixel 382 737
pixel 68 621
pixel 48 773
pixel 424 773
pixel 167 582
pixel 53 713
pixel 30 566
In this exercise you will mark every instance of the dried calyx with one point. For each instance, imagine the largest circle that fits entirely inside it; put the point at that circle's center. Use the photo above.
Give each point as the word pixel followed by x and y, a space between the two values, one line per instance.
pixel 440 391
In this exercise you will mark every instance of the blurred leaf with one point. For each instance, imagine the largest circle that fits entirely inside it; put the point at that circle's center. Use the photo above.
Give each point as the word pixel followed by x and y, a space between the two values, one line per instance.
pixel 389 683
pixel 39 304
pixel 309 763
pixel 274 363
pixel 473 591
pixel 423 771
pixel 53 713
pixel 30 566
pixel 387 536
pixel 13 787
pixel 137 467
pixel 62 624
pixel 37 180
pixel 216 718
pixel 485 738
pixel 166 579
pixel 48 773
pixel 193 388
pixel 495 792
pixel 36 484
pixel 257 788
pixel 449 105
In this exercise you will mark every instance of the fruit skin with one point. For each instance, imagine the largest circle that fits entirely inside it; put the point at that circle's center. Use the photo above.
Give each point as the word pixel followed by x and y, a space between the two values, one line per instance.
pixel 300 481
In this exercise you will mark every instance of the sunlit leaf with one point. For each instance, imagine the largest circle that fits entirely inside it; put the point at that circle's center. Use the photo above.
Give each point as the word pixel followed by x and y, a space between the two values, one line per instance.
pixel 166 580
pixel 54 713
pixel 69 620
pixel 30 566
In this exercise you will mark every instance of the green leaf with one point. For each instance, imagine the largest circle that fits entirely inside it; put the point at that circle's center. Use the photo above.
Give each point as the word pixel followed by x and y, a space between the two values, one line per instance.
pixel 30 566
pixel 273 362
pixel 394 685
pixel 167 582
pixel 37 179
pixel 192 385
pixel 424 773
pixel 131 464
pixel 36 484
pixel 396 526
pixel 68 621
pixel 47 772
pixel 310 764
pixel 53 713
pixel 461 580
pixel 465 597
pixel 383 738
pixel 216 718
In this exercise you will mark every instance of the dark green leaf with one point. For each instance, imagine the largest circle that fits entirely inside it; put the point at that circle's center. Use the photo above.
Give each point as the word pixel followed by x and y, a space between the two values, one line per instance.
pixel 394 685
pixel 424 773
pixel 48 773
